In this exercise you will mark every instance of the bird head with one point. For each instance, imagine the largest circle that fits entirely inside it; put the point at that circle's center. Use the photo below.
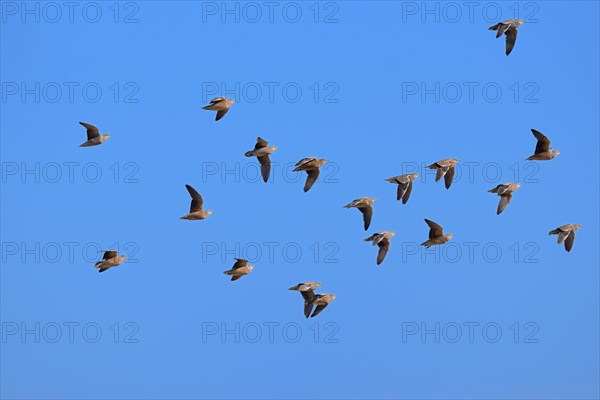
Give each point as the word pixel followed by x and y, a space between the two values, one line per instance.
pixel 555 152
pixel 106 136
pixel 208 212
pixel 576 226
pixel 449 236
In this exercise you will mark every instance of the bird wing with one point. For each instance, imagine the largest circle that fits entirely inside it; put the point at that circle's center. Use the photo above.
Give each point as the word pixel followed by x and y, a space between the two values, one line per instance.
pixel 216 100
pixel 441 171
pixel 304 161
pixel 109 254
pixel 197 200
pixel 569 241
pixel 511 38
pixel 407 191
pixel 92 131
pixel 563 235
pixel 318 310
pixel 221 114
pixel 239 263
pixel 260 143
pixel 504 200
pixel 367 212
pixel 435 230
pixel 449 176
pixel 501 29
pixel 543 143
pixel 384 246
pixel 307 295
pixel 265 167
pixel 312 177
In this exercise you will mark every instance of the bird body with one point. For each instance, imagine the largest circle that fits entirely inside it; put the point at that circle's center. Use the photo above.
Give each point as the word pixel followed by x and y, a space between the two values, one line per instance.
pixel 239 269
pixel 110 259
pixel 543 152
pixel 94 138
pixel 405 184
pixel 261 152
pixel 505 192
pixel 566 235
pixel 197 212
pixel 508 28
pixel 321 301
pixel 311 165
pixel 444 168
pixel 364 206
pixel 221 105
pixel 436 235
pixel 381 239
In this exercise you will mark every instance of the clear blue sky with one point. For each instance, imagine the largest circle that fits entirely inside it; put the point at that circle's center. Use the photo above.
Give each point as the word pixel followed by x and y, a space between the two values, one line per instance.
pixel 372 87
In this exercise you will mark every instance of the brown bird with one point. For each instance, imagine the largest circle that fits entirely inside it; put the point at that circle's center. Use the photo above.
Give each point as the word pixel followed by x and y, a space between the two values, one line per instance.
pixel 220 105
pixel 262 151
pixel 505 192
pixel 196 210
pixel 321 301
pixel 109 260
pixel 445 168
pixel 306 289
pixel 566 234
pixel 542 148
pixel 239 269
pixel 381 239
pixel 436 235
pixel 311 165
pixel 508 28
pixel 364 206
pixel 94 138
pixel 405 184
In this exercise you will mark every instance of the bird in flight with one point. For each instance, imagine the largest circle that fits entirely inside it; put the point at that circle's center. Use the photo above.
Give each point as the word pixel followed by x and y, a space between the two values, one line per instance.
pixel 505 192
pixel 110 259
pixel 94 138
pixel 542 148
pixel 381 239
pixel 311 165
pixel 321 301
pixel 436 235
pixel 445 169
pixel 307 290
pixel 220 105
pixel 196 210
pixel 566 234
pixel 239 269
pixel 261 152
pixel 405 184
pixel 508 28
pixel 364 206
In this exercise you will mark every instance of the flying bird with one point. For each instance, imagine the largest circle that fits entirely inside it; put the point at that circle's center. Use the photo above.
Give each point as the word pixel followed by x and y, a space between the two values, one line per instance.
pixel 436 235
pixel 542 148
pixel 321 301
pixel 109 260
pixel 566 234
pixel 261 152
pixel 311 165
pixel 505 192
pixel 307 290
pixel 508 28
pixel 239 269
pixel 405 184
pixel 196 210
pixel 220 105
pixel 381 239
pixel 94 138
pixel 445 169
pixel 364 206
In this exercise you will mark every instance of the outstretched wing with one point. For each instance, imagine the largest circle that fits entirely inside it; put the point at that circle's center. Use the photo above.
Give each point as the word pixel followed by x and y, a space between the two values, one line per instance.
pixel 221 114
pixel 197 200
pixel 511 38
pixel 569 241
pixel 92 131
pixel 407 192
pixel 504 200
pixel 543 144
pixel 109 254
pixel 265 167
pixel 367 215
pixel 239 263
pixel 449 176
pixel 319 309
pixel 435 230
pixel 384 246
pixel 312 177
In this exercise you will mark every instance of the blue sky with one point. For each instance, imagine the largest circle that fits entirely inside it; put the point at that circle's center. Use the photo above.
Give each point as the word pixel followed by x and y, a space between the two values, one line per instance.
pixel 379 89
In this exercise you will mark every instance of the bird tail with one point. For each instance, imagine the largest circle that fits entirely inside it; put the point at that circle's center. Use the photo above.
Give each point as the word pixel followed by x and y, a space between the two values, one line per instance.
pixel 493 27
pixel 206 107
pixel 249 154
pixel 554 232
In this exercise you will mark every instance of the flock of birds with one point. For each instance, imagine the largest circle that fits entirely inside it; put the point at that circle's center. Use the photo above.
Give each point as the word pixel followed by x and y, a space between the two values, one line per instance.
pixel 444 169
